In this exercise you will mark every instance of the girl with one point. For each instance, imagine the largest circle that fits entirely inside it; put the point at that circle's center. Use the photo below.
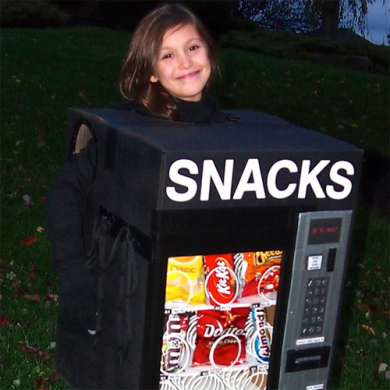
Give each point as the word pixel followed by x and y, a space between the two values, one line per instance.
pixel 169 65
pixel 170 62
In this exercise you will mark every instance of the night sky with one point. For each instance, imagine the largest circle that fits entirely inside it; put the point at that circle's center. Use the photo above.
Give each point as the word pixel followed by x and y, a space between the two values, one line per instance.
pixel 378 22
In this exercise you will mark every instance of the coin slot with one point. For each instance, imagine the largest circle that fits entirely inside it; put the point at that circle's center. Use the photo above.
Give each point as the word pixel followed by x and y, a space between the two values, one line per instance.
pixel 331 259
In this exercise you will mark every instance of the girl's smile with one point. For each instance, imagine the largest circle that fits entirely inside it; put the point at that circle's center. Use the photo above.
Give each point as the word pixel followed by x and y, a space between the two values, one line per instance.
pixel 183 66
pixel 189 75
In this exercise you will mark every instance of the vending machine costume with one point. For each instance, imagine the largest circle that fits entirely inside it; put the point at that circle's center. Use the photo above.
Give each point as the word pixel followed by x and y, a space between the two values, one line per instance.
pixel 219 252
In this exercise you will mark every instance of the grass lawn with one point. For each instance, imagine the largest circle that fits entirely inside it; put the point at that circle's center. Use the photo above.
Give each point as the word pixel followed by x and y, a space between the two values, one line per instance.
pixel 43 72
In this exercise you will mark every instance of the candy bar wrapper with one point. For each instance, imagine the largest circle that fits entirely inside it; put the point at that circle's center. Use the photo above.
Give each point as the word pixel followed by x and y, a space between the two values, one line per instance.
pixel 262 334
pixel 221 280
pixel 221 337
pixel 262 271
pixel 185 280
pixel 174 344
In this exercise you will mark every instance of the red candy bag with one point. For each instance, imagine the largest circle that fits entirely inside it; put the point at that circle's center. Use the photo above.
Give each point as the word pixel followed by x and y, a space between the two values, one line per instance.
pixel 221 337
pixel 221 280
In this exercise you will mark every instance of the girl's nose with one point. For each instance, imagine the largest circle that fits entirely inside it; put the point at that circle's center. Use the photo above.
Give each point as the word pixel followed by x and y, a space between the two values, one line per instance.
pixel 185 61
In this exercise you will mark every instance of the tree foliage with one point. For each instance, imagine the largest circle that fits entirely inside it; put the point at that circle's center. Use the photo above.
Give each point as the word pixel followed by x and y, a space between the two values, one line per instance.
pixel 306 15
pixel 275 15
pixel 327 14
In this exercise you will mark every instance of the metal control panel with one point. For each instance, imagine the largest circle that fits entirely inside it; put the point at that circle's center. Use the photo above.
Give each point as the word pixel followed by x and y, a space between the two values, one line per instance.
pixel 314 299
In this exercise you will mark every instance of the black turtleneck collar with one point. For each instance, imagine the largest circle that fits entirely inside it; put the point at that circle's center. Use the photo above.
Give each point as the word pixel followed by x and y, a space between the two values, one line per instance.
pixel 206 110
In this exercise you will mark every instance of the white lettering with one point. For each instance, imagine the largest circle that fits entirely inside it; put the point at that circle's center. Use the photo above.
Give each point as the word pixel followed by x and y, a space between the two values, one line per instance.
pixel 222 274
pixel 212 331
pixel 185 181
pixel 252 180
pixel 210 173
pixel 310 178
pixel 341 180
pixel 274 191
pixel 252 168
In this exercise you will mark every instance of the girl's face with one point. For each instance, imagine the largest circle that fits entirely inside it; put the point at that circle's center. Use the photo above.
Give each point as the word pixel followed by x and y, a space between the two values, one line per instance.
pixel 183 66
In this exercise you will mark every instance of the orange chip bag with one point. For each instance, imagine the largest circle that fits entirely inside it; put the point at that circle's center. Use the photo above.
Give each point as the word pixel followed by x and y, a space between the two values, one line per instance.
pixel 185 280
pixel 259 267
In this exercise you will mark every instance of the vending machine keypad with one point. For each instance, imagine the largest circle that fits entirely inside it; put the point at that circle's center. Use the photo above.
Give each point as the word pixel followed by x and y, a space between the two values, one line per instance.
pixel 314 307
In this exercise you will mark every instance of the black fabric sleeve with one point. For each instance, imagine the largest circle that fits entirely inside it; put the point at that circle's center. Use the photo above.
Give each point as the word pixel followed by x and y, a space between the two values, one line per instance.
pixel 65 207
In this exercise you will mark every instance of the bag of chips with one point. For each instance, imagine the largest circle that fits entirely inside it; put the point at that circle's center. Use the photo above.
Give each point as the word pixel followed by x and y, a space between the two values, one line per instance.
pixel 185 280
pixel 221 337
pixel 261 271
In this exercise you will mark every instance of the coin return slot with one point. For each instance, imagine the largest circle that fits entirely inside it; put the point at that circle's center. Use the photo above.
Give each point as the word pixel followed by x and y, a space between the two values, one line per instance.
pixel 307 359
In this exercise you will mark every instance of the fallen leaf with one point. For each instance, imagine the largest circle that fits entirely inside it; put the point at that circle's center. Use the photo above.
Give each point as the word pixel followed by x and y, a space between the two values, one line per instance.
pixel 38 381
pixel 30 240
pixel 52 297
pixel 40 229
pixel 3 320
pixel 27 200
pixel 368 328
pixel 41 142
pixel 34 351
pixel 32 297
pixel 18 289
pixel 44 355
pixel 83 96
pixel 382 367
pixel 32 272
pixel 54 376
pixel 5 364
pixel 29 350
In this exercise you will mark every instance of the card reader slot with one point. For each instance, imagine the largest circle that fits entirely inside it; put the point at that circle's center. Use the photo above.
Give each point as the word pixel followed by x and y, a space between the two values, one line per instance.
pixel 331 259
pixel 307 359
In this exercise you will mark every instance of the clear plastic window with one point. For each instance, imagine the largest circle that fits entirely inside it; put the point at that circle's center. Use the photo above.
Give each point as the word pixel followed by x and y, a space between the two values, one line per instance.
pixel 219 313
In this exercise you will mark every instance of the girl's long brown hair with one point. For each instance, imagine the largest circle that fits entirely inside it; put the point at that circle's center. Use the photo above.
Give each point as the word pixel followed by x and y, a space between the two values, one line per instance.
pixel 141 60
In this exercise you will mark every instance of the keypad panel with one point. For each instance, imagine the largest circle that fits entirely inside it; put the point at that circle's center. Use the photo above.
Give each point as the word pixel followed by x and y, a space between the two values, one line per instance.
pixel 314 308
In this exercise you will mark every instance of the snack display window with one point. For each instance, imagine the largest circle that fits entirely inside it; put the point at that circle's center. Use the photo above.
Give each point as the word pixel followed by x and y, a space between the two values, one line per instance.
pixel 219 312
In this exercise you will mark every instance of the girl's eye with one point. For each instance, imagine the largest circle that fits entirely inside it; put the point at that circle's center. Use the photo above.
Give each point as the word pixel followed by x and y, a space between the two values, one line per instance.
pixel 194 47
pixel 166 56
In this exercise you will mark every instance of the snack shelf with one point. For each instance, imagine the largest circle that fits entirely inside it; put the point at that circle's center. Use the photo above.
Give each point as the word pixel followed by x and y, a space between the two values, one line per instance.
pixel 251 301
pixel 243 377
pixel 251 365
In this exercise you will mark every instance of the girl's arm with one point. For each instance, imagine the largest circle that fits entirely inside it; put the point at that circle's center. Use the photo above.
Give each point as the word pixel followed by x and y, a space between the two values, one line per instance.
pixel 65 206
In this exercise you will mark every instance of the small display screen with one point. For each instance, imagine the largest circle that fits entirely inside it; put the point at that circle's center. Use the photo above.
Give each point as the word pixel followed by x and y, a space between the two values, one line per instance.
pixel 324 231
